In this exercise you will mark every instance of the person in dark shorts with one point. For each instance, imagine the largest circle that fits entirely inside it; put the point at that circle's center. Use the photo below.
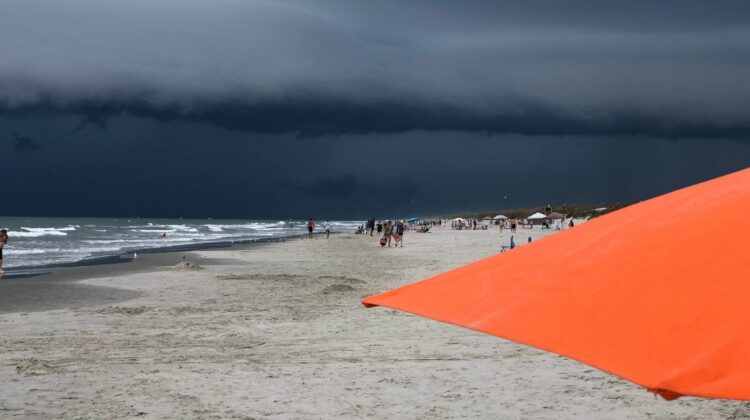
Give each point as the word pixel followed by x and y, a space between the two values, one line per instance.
pixel 3 241
pixel 398 236
pixel 380 228
pixel 310 227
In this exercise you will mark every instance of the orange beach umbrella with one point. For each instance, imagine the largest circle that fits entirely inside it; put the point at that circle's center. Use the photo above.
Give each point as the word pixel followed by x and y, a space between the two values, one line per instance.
pixel 657 293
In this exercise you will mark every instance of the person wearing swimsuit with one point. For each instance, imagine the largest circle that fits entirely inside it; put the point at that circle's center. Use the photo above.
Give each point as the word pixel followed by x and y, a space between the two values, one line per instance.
pixel 388 232
pixel 310 227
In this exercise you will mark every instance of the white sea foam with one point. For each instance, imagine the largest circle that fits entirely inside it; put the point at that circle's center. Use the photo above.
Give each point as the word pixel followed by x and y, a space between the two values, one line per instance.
pixel 39 232
pixel 155 232
pixel 45 241
pixel 33 251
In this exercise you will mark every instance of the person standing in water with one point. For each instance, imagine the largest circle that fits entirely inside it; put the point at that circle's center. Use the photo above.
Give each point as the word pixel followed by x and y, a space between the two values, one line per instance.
pixel 3 241
pixel 310 227
pixel 327 228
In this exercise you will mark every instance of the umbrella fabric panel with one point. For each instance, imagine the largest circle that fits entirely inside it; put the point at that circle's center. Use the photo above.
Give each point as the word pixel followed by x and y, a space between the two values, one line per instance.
pixel 656 293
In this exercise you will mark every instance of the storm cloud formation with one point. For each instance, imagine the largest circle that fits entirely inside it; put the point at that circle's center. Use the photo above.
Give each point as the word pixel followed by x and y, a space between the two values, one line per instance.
pixel 23 143
pixel 669 69
pixel 355 109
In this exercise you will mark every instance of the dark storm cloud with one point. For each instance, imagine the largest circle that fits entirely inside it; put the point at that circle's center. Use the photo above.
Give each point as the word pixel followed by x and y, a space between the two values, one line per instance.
pixel 91 119
pixel 350 186
pixel 320 117
pixel 337 187
pixel 141 167
pixel 23 143
pixel 667 69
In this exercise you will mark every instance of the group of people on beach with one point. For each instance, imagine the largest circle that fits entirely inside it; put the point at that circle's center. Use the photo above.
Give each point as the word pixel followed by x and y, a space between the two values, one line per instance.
pixel 392 231
pixel 311 228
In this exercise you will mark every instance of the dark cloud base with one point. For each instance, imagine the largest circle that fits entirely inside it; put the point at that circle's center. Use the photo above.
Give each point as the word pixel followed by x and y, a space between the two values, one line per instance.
pixel 315 118
pixel 23 143
pixel 142 167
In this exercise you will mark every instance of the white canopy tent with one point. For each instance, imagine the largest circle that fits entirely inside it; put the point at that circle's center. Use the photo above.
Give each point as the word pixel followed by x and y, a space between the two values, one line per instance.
pixel 537 215
pixel 500 217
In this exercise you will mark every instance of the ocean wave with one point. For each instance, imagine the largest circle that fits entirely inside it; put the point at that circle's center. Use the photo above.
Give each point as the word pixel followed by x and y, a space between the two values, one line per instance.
pixel 68 242
pixel 34 251
pixel 36 234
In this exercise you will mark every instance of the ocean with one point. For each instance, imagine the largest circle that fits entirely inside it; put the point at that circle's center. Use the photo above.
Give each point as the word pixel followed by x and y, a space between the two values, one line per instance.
pixel 54 242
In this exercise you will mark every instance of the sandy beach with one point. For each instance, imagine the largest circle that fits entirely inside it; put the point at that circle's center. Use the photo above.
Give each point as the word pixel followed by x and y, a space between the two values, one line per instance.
pixel 277 330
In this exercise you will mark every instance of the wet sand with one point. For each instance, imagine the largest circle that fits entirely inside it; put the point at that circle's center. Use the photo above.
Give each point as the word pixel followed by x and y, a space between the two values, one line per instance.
pixel 58 288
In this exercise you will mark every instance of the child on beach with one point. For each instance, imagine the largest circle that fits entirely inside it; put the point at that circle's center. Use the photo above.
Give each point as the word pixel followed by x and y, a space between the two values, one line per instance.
pixel 3 241
pixel 327 228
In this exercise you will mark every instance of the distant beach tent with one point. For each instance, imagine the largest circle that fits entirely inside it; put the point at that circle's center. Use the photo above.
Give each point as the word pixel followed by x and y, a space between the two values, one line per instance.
pixel 500 217
pixel 536 218
pixel 554 215
pixel 413 220
pixel 644 292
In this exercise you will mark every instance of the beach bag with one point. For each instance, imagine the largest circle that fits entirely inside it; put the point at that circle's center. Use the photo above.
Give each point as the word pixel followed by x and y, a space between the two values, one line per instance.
pixel 383 241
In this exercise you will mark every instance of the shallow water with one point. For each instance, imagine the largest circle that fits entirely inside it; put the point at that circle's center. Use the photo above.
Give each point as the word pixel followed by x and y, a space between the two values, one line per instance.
pixel 39 242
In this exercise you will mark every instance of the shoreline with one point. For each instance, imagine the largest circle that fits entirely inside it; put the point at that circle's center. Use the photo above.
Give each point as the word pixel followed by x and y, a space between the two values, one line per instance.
pixel 63 286
pixel 127 256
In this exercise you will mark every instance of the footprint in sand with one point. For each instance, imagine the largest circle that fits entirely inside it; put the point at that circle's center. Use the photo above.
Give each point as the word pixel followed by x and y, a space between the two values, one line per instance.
pixel 33 367
pixel 338 288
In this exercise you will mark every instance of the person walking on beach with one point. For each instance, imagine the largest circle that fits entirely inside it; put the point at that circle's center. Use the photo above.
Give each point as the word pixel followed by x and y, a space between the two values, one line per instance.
pixel 3 241
pixel 327 228
pixel 310 227
pixel 399 236
pixel 388 232
pixel 513 224
pixel 380 228
pixel 372 226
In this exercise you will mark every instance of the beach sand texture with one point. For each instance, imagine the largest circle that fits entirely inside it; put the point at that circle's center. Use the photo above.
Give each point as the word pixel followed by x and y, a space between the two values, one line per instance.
pixel 278 331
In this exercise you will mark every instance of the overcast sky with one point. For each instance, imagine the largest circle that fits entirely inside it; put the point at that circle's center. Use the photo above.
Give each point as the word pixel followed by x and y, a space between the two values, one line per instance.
pixel 230 108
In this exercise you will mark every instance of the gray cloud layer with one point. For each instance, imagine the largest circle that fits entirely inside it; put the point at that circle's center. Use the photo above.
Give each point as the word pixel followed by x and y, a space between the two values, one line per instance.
pixel 142 167
pixel 666 69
